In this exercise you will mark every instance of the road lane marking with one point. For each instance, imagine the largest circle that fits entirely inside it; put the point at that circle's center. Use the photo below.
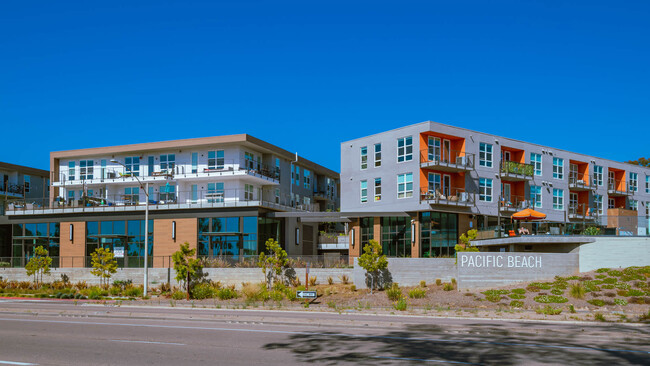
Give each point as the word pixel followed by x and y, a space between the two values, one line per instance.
pixel 423 360
pixel 17 363
pixel 367 336
pixel 147 342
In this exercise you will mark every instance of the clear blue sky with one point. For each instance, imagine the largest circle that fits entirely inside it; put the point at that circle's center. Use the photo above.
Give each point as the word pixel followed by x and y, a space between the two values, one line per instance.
pixel 307 75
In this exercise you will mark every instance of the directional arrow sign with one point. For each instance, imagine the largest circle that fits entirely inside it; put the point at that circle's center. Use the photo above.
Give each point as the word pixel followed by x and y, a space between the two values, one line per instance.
pixel 306 294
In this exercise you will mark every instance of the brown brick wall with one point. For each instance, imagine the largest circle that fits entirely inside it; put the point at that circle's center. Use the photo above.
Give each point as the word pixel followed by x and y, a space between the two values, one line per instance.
pixel 72 252
pixel 165 246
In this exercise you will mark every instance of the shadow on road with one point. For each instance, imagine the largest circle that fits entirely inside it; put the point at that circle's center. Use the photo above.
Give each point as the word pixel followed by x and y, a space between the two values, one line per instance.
pixel 483 344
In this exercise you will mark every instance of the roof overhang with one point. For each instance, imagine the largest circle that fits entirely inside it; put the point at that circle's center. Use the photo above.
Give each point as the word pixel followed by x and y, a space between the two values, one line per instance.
pixel 534 239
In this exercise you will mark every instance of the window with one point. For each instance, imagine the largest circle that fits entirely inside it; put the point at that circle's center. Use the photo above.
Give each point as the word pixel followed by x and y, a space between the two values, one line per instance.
pixel 405 185
pixel 70 196
pixel 150 165
pixel 634 182
pixel 306 179
pixel 297 175
pixel 215 192
pixel 277 168
pixel 485 189
pixel 364 191
pixel 598 203
pixel 71 171
pixel 103 169
pixel 195 162
pixel 634 205
pixel 434 183
pixel 377 189
pixel 377 155
pixel 277 195
pixel 27 182
pixel 195 193
pixel 558 168
pixel 647 184
pixel 86 169
pixel 132 165
pixel 611 203
pixel 168 193
pixel 485 155
pixel 216 159
pixel 131 195
pixel 536 196
pixel 433 152
pixel 364 157
pixel 536 161
pixel 252 161
pixel 598 175
pixel 558 199
pixel 404 149
pixel 167 162
pixel 248 192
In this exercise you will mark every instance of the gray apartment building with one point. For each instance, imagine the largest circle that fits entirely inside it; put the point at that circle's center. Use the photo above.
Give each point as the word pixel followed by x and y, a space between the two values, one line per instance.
pixel 423 185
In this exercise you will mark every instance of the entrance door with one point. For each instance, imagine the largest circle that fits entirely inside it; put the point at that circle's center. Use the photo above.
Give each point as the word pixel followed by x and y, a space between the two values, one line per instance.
pixel 434 149
pixel 506 189
pixel 573 203
pixel 446 185
pixel 446 151
pixel 611 181
pixel 573 173
pixel 506 156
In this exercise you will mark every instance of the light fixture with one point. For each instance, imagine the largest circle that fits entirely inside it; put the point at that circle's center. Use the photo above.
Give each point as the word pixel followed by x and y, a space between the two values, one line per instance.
pixel 174 230
pixel 297 236
pixel 352 239
pixel 71 232
pixel 412 233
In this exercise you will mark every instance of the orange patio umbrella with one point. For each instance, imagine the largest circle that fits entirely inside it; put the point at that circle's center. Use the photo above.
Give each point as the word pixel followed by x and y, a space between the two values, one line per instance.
pixel 528 215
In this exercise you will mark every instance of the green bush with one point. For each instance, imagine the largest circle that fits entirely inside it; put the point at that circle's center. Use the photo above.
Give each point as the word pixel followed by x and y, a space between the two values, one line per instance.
pixel 448 287
pixel 423 283
pixel 600 317
pixel 592 230
pixel 607 287
pixel 634 292
pixel 5 264
pixel 518 291
pixel 596 302
pixel 438 282
pixel 547 299
pixel 179 295
pixel 226 293
pixel 577 290
pixel 609 280
pixel 516 304
pixel 557 291
pixel 202 291
pixel 134 291
pixel 394 293
pixel 95 293
pixel 417 293
pixel 623 286
pixel 400 304
pixel 115 290
pixel 549 310
pixel 536 286
pixel 615 273
pixel 517 296
pixel 621 302
pixel 276 295
pixel 602 270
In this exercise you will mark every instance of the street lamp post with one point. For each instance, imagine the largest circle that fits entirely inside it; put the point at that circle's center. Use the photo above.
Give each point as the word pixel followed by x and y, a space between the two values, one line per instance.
pixel 146 226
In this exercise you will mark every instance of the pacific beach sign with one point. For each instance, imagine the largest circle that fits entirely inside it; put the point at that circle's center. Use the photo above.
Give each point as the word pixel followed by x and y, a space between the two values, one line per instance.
pixel 500 261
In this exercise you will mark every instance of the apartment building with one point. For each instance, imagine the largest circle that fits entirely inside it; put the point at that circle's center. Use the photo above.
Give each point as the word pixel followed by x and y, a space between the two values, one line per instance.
pixel 425 184
pixel 217 193
pixel 19 184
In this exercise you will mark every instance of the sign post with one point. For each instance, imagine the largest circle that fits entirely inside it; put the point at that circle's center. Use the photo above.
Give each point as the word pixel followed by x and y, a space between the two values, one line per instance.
pixel 307 276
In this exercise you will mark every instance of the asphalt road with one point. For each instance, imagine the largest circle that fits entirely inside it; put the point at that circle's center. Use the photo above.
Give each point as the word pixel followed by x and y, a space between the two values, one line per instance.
pixel 62 333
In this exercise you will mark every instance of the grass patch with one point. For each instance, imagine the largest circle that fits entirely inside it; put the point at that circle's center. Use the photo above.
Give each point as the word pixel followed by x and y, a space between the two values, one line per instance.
pixel 548 299
pixel 596 302
pixel 602 270
pixel 516 304
pixel 518 291
pixel 400 304
pixel 621 302
pixel 557 291
pixel 634 292
pixel 517 296
pixel 577 290
pixel 417 293
pixel 549 310
pixel 448 287
pixel 600 317
pixel 394 293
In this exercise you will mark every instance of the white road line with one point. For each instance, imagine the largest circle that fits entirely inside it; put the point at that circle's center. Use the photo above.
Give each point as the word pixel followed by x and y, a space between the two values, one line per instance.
pixel 367 336
pixel 17 363
pixel 424 360
pixel 147 342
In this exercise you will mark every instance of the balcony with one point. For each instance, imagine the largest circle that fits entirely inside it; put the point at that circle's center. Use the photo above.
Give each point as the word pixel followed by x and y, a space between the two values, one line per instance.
pixel 513 204
pixel 617 188
pixel 451 161
pixel 516 172
pixel 455 197
pixel 581 211
pixel 579 185
pixel 12 191
pixel 202 199
pixel 321 196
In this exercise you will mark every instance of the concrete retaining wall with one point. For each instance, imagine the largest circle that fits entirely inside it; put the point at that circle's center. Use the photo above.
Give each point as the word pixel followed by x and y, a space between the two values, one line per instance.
pixel 410 271
pixel 227 276
pixel 494 269
pixel 614 252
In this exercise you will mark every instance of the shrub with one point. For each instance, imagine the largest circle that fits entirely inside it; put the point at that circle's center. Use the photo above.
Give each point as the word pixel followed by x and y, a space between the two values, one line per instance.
pixel 202 291
pixel 518 291
pixel 95 293
pixel 602 270
pixel 448 287
pixel 607 287
pixel 592 230
pixel 596 302
pixel 557 291
pixel 517 296
pixel 253 292
pixel 621 302
pixel 226 293
pixel 577 290
pixel 609 280
pixel 600 317
pixel 516 304
pixel 453 281
pixel 623 286
pixel 178 295
pixel 290 294
pixel 344 279
pixel 115 290
pixel 547 299
pixel 423 283
pixel 276 295
pixel 438 282
pixel 394 293
pixel 602 276
pixel 330 280
pixel 615 273
pixel 417 293
pixel 572 309
pixel 313 280
pixel 634 292
pixel 400 304
pixel 353 288
pixel 549 310
pixel 5 264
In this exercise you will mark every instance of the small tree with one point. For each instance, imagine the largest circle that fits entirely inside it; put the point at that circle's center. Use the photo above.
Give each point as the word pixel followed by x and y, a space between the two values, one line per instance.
pixel 466 242
pixel 39 264
pixel 104 265
pixel 373 261
pixel 187 268
pixel 276 262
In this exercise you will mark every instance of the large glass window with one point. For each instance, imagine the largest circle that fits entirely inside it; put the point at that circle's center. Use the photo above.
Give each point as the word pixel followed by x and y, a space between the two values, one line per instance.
pixel 598 175
pixel 306 179
pixel 364 157
pixel 647 184
pixel 131 195
pixel 405 185
pixel 132 165
pixel 364 191
pixel 248 192
pixel 377 155
pixel 485 189
pixel 367 230
pixel 86 169
pixel 558 168
pixel 150 165
pixel 71 170
pixel 124 238
pixel 167 163
pixel 195 162
pixel 485 155
pixel 27 183
pixel 634 205
pixel 216 159
pixel 536 196
pixel 438 234
pixel 396 236
pixel 215 192
pixel 26 237
pixel 405 149
pixel 634 182
pixel 168 193
pixel 536 161
pixel 598 203
pixel 377 189
pixel 220 236
pixel 558 199
pixel 435 184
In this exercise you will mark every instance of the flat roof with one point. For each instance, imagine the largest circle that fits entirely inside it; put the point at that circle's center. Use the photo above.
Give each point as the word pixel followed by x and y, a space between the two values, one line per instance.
pixel 535 239
pixel 24 169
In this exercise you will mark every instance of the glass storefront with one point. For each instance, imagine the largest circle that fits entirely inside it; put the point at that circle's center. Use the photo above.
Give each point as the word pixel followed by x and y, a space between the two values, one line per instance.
pixel 227 236
pixel 396 236
pixel 26 237
pixel 438 234
pixel 124 238
pixel 367 230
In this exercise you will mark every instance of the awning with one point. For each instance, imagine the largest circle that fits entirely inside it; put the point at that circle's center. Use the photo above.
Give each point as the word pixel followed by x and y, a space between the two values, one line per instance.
pixel 528 215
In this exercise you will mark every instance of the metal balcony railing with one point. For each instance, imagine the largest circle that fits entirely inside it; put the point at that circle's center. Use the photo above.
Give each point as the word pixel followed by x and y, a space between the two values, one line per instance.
pixel 580 184
pixel 515 169
pixel 453 159
pixel 451 196
pixel 617 187
pixel 582 211
pixel 514 203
